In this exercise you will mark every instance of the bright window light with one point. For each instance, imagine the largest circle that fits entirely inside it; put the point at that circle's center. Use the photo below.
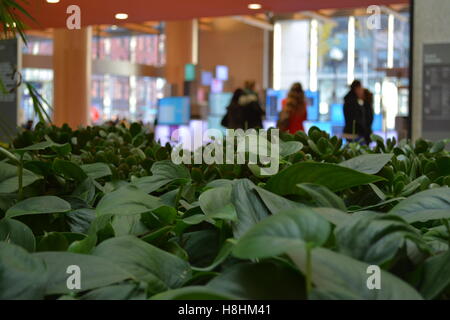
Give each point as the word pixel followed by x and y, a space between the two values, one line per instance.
pixel 390 60
pixel 277 56
pixel 314 54
pixel 351 50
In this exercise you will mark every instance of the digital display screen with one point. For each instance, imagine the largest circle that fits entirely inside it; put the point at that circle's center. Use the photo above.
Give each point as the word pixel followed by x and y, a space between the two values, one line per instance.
pixel 174 111
pixel 274 100
pixel 207 78
pixel 189 72
pixel 222 73
pixel 337 113
pixel 216 86
pixel 218 103
pixel 312 100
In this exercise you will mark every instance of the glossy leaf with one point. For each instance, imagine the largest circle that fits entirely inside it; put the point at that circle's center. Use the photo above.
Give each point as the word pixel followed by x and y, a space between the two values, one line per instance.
pixel 334 177
pixel 342 277
pixel 127 200
pixel 284 231
pixel 13 231
pixel 424 206
pixel 38 205
pixel 368 163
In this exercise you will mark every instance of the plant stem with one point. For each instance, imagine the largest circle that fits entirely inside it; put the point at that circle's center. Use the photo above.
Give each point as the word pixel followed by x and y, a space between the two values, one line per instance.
pixel 178 198
pixel 445 222
pixel 20 176
pixel 308 269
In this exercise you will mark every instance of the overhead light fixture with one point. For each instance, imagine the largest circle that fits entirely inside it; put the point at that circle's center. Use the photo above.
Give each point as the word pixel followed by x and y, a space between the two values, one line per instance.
pixel 114 27
pixel 53 1
pixel 254 6
pixel 121 16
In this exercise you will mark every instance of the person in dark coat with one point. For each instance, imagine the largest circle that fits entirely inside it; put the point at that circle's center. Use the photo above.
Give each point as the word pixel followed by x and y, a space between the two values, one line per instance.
pixel 368 114
pixel 244 111
pixel 355 124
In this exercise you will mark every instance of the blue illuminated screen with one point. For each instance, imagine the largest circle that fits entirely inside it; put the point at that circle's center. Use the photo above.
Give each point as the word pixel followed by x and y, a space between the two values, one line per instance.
pixel 174 111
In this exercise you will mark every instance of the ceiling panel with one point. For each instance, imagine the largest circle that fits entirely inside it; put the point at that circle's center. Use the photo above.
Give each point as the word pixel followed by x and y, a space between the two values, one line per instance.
pixel 103 11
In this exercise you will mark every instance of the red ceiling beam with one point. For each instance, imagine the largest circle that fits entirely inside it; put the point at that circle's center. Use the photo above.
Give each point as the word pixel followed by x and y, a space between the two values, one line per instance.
pixel 94 12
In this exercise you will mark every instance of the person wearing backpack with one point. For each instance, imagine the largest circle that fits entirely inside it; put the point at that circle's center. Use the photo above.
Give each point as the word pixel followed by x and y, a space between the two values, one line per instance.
pixel 293 113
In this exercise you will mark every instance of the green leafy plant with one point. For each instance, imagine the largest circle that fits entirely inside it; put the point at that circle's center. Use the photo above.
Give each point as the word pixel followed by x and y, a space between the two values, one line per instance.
pixel 109 200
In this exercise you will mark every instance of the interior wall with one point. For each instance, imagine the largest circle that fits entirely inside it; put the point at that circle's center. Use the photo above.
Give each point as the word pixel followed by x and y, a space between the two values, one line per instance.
pixel 431 25
pixel 236 45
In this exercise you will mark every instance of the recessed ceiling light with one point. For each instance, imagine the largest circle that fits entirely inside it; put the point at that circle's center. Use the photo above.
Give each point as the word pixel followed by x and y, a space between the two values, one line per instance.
pixel 121 16
pixel 254 6
pixel 52 1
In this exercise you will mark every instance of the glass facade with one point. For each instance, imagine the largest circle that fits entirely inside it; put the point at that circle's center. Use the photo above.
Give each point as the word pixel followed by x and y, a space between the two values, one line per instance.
pixel 350 48
pixel 112 96
pixel 42 80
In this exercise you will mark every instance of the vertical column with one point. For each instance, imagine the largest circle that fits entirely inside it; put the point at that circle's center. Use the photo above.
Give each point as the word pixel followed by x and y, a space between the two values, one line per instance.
pixel 179 51
pixel 72 76
pixel 351 50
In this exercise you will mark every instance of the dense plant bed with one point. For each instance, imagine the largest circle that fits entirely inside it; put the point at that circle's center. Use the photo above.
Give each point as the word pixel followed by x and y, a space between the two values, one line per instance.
pixel 108 205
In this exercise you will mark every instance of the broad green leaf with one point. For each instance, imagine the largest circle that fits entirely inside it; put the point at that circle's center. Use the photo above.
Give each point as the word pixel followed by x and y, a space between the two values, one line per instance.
pixel 53 241
pixel 290 147
pixel 282 232
pixel 333 216
pixel 127 291
pixel 424 206
pixel 249 207
pixel 334 177
pixel 36 147
pixel 191 293
pixel 69 170
pixel 163 173
pixel 436 275
pixel 95 271
pixel 9 181
pixel 216 203
pixel 322 196
pixel 374 239
pixel 127 200
pixel 368 163
pixel 160 269
pixel 260 281
pixel 276 203
pixel 22 275
pixel 79 220
pixel 96 170
pixel 38 205
pixel 16 232
pixel 221 257
pixel 202 247
pixel 343 277
pixel 128 225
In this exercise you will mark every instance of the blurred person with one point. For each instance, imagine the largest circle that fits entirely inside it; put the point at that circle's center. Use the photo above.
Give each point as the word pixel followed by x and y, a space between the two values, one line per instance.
pixel 294 111
pixel 355 129
pixel 244 111
pixel 233 118
pixel 368 114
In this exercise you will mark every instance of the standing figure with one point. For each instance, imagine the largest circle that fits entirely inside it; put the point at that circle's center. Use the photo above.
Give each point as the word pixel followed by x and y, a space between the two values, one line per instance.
pixel 294 111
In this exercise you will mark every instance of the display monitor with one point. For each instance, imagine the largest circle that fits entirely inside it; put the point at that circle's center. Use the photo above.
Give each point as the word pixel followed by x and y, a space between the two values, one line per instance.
pixel 189 72
pixel 218 103
pixel 207 78
pixel 216 86
pixel 312 100
pixel 222 73
pixel 337 113
pixel 274 99
pixel 174 111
